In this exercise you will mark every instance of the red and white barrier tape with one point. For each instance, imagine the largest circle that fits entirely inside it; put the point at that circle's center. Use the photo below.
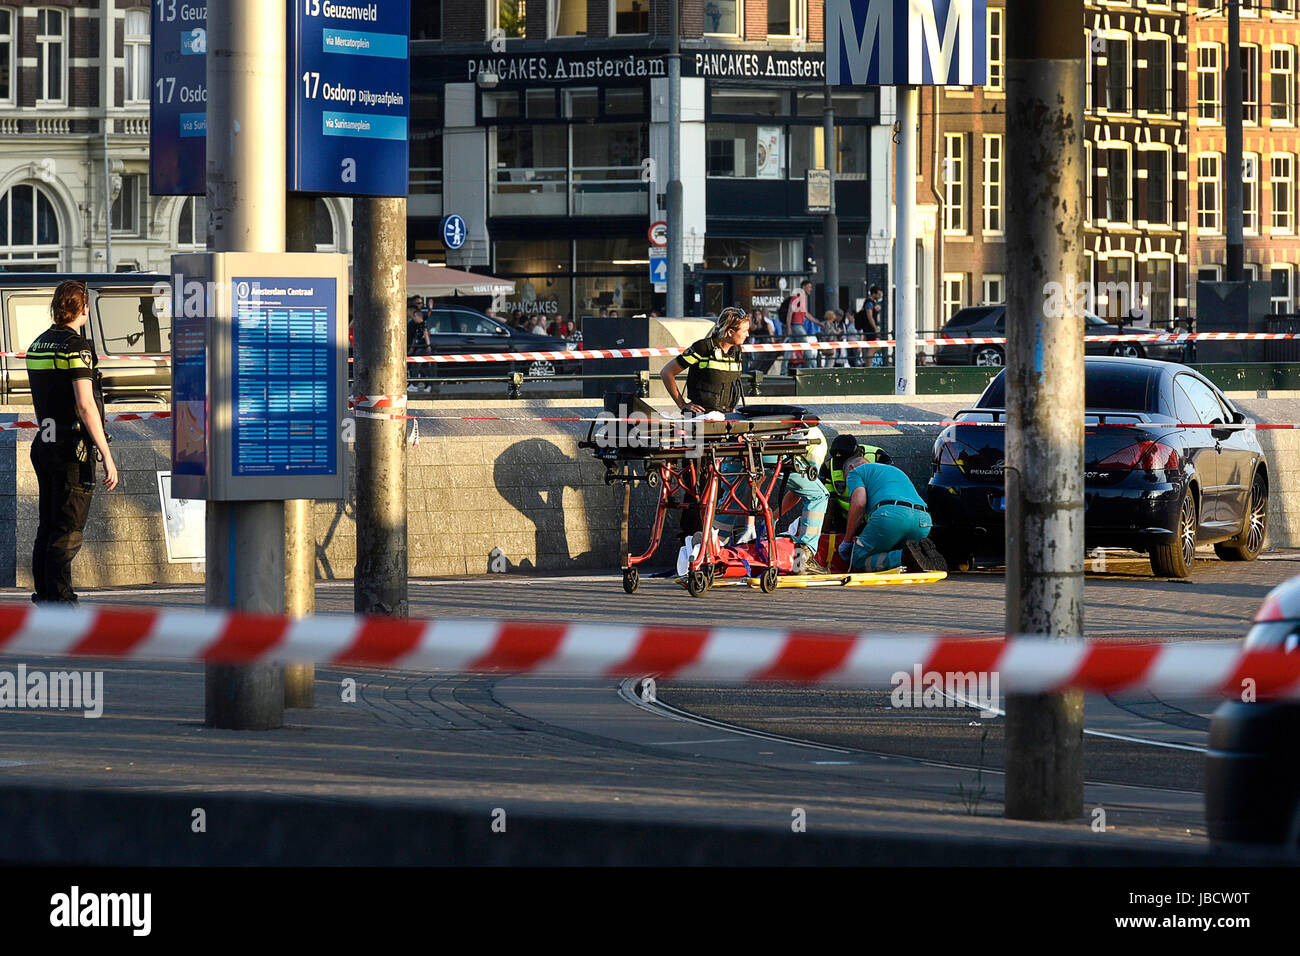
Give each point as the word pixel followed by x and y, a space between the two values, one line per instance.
pixel 1173 338
pixel 116 417
pixel 1023 664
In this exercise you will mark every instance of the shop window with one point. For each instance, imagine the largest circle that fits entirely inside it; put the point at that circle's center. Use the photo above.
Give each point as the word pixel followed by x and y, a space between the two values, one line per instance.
pixel 568 18
pixel 541 104
pixel 29 231
pixel 775 256
pixel 542 274
pixel 807 151
pixel 582 103
pixel 722 17
pixel 751 103
pixel 531 170
pixel 624 102
pixel 510 17
pixel 501 104
pixel 732 150
pixel 630 16
pixel 426 20
pixel 607 170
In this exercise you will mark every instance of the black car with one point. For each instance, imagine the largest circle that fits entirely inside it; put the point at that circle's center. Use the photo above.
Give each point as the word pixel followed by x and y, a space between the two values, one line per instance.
pixel 454 330
pixel 1252 774
pixel 990 321
pixel 1149 486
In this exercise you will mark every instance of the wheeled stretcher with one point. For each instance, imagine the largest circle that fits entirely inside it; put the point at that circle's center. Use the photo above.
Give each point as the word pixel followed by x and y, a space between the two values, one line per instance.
pixel 714 469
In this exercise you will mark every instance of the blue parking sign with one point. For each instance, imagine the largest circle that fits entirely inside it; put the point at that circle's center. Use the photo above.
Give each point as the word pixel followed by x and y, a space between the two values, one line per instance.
pixel 349 101
pixel 454 232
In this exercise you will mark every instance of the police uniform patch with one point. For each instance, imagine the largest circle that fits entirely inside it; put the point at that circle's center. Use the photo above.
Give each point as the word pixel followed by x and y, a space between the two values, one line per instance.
pixel 86 357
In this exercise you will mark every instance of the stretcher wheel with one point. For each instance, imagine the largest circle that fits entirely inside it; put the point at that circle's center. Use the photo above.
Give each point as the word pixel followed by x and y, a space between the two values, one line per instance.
pixel 708 574
pixel 812 472
pixel 697 582
pixel 652 479
pixel 768 581
pixel 631 580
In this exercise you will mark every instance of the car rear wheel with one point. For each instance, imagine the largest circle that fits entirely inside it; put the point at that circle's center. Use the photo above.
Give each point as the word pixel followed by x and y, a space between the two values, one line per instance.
pixel 989 355
pixel 1177 558
pixel 1127 350
pixel 1247 545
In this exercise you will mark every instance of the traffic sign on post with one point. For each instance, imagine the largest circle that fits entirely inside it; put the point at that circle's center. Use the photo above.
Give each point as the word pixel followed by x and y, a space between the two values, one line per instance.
pixel 659 268
pixel 454 231
pixel 349 105
pixel 178 100
pixel 658 234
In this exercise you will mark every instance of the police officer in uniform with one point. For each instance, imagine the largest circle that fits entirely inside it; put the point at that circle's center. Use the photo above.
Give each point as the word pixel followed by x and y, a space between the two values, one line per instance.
pixel 66 390
pixel 712 367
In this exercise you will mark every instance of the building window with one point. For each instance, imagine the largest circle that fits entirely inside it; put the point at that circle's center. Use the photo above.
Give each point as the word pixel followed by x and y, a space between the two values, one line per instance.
pixel 997 56
pixel 995 289
pixel 29 231
pixel 993 184
pixel 1117 81
pixel 426 20
pixel 426 143
pixel 1208 81
pixel 137 57
pixel 327 239
pixel 51 65
pixel 126 207
pixel 510 17
pixel 1250 193
pixel 1114 296
pixel 1209 206
pixel 192 224
pixel 1115 192
pixel 630 16
pixel 1284 8
pixel 1280 277
pixel 1282 86
pixel 954 183
pixel 568 18
pixel 1158 83
pixel 7 19
pixel 722 16
pixel 1250 84
pixel 1158 195
pixel 784 18
pixel 1282 187
pixel 954 294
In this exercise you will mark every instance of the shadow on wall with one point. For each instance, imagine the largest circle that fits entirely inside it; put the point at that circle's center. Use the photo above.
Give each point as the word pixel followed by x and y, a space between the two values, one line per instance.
pixel 532 476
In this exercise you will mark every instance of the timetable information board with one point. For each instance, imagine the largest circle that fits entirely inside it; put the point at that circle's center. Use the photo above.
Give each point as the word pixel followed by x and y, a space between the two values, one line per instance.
pixel 283 353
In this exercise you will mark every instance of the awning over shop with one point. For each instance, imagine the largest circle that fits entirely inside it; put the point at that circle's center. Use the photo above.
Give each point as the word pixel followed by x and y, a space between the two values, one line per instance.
pixel 429 280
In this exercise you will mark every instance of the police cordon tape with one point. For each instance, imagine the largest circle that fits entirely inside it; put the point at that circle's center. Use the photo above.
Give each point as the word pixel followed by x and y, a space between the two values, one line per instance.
pixel 743 655
pixel 1172 338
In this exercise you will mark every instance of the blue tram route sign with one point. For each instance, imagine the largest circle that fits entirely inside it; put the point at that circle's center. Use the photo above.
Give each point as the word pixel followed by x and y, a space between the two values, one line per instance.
pixel 178 101
pixel 349 97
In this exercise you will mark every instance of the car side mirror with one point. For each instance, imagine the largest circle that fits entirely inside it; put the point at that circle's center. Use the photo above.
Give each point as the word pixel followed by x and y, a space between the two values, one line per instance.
pixel 1238 418
pixel 501 331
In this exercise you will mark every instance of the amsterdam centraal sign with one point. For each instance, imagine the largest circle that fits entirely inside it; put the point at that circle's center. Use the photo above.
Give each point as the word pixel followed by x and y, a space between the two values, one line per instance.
pixel 615 66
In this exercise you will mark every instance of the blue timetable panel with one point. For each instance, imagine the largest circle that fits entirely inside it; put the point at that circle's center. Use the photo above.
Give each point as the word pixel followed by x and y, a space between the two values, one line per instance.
pixel 349 97
pixel 283 350
pixel 178 100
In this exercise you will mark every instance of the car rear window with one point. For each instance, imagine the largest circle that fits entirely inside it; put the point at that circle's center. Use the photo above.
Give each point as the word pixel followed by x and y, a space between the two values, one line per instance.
pixel 1130 388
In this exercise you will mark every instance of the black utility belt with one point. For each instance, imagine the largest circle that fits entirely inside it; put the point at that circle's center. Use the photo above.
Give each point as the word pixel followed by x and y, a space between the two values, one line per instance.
pixel 905 504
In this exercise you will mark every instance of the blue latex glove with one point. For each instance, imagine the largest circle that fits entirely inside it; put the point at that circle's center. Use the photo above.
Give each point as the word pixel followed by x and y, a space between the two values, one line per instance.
pixel 845 549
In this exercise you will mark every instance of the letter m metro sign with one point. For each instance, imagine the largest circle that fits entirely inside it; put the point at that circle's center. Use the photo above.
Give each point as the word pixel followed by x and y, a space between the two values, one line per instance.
pixel 906 42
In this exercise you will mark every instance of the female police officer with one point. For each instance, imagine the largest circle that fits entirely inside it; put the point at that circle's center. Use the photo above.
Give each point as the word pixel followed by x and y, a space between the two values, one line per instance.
pixel 61 368
pixel 712 367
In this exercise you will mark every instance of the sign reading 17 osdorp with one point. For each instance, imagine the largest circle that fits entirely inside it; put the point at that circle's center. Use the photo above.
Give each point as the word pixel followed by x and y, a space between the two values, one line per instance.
pixel 349 73
pixel 906 42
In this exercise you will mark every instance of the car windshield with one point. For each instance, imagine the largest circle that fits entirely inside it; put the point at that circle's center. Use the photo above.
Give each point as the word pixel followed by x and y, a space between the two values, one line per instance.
pixel 1130 388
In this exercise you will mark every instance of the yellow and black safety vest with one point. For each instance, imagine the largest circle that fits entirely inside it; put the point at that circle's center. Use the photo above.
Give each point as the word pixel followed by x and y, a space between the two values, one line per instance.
pixel 712 376
pixel 57 358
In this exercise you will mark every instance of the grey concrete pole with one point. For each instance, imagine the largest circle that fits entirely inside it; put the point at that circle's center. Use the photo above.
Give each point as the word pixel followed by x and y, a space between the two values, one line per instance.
pixel 379 310
pixel 246 163
pixel 831 223
pixel 299 528
pixel 1045 394
pixel 676 302
pixel 909 105
pixel 1232 175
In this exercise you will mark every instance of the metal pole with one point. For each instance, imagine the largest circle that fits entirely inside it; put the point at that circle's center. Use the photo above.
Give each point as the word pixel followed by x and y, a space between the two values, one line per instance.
pixel 1234 173
pixel 909 104
pixel 108 201
pixel 676 304
pixel 831 227
pixel 379 308
pixel 1045 395
pixel 299 528
pixel 246 159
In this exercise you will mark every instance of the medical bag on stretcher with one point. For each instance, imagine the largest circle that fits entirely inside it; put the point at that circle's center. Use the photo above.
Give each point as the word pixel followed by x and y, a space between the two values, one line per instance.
pixel 745 560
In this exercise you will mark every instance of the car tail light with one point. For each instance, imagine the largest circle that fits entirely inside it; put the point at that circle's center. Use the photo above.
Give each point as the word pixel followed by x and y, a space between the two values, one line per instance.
pixel 1146 455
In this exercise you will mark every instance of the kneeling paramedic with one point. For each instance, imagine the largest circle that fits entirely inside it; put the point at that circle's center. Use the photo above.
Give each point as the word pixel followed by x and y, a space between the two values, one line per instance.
pixel 833 475
pixel 897 521
pixel 66 390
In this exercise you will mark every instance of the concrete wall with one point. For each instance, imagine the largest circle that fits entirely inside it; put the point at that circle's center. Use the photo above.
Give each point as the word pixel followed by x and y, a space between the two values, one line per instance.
pixel 525 488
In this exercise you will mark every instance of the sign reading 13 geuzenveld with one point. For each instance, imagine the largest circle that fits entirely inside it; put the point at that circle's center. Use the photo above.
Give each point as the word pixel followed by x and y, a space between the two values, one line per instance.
pixel 349 109
pixel 906 42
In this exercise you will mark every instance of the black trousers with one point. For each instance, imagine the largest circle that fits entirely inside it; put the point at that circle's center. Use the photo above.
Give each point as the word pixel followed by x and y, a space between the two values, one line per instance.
pixel 66 488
